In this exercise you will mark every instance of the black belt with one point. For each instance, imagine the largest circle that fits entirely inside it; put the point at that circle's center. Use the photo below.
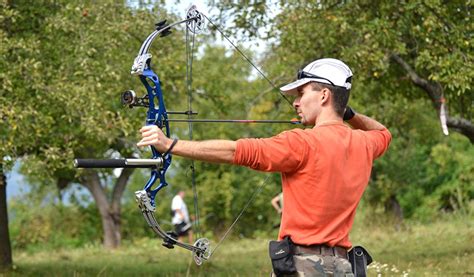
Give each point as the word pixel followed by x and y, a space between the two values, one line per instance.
pixel 321 249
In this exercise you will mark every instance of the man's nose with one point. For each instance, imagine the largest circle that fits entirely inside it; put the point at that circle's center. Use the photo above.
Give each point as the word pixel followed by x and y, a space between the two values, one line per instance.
pixel 296 102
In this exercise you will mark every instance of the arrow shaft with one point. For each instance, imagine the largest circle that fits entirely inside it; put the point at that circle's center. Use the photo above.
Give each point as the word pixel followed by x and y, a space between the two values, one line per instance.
pixel 244 121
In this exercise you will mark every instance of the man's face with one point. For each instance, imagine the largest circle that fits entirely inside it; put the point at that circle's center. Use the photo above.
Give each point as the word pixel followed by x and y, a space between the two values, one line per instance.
pixel 308 104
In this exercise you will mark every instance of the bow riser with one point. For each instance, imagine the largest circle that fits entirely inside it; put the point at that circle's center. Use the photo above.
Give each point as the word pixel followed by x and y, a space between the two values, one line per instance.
pixel 156 115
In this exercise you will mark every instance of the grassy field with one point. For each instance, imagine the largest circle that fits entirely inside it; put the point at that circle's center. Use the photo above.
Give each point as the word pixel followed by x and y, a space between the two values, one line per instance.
pixel 441 248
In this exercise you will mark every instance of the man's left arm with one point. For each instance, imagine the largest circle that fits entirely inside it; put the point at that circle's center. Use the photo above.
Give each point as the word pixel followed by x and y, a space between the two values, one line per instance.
pixel 276 154
pixel 217 151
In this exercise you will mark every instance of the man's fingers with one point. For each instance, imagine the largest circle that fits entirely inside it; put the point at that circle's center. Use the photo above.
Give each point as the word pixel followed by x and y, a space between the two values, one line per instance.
pixel 145 128
pixel 147 141
pixel 144 142
pixel 151 133
pixel 148 128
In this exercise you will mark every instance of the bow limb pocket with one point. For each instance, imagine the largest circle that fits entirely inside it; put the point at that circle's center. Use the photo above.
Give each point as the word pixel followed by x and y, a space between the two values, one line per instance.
pixel 281 254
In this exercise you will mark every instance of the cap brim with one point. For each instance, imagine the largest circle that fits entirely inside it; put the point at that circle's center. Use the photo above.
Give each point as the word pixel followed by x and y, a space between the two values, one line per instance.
pixel 292 88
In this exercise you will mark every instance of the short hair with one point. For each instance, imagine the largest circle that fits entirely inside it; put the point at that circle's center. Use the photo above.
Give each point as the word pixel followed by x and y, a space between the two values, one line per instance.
pixel 340 96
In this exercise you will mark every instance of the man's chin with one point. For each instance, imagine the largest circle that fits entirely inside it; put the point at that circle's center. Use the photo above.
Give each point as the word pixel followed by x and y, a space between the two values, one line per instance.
pixel 304 122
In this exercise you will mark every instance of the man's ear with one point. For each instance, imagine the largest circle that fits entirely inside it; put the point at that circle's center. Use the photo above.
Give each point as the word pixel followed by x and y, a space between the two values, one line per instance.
pixel 325 95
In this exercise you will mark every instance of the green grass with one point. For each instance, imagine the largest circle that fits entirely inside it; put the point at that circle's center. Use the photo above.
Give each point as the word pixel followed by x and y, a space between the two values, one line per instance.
pixel 145 258
pixel 444 247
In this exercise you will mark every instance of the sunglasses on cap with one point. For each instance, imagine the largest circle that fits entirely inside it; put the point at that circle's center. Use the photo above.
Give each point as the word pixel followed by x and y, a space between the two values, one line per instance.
pixel 302 74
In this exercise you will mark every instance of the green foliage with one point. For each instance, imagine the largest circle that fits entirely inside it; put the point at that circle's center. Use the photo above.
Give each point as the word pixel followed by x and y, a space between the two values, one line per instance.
pixel 425 172
pixel 42 226
pixel 434 38
pixel 431 36
pixel 452 169
pixel 66 70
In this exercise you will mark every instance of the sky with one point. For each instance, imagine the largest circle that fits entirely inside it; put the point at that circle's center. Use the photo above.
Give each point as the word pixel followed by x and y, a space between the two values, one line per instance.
pixel 181 7
pixel 16 183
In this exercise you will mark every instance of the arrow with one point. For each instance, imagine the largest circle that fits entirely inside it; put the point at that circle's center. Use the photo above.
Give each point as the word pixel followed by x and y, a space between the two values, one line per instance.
pixel 245 121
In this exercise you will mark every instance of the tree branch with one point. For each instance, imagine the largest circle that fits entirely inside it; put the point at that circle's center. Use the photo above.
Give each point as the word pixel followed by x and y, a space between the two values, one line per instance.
pixel 434 90
pixel 436 94
pixel 462 126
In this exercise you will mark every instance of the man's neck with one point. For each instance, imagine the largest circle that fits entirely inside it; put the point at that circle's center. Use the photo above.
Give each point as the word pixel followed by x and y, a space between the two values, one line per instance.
pixel 327 116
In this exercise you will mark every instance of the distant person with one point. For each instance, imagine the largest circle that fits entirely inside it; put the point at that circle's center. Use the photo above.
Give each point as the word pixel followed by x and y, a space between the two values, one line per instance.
pixel 277 202
pixel 180 219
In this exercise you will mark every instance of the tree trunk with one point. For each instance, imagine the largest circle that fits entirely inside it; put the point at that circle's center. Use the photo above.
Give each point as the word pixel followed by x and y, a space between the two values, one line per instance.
pixel 110 222
pixel 110 212
pixel 395 208
pixel 5 246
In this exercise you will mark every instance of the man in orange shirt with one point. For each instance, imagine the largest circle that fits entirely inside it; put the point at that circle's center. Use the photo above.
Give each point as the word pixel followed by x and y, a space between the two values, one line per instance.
pixel 325 169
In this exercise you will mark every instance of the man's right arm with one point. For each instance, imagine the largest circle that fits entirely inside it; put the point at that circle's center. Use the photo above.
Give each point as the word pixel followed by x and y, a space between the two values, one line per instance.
pixel 365 123
pixel 376 132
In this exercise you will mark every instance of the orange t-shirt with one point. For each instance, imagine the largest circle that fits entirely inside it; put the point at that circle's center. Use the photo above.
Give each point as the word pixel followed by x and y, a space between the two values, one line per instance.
pixel 324 171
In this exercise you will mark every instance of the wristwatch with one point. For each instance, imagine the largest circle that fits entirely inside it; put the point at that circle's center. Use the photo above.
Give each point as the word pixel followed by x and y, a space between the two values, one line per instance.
pixel 348 114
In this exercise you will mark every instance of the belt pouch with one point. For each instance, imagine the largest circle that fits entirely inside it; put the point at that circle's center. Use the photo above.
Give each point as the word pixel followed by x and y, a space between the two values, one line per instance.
pixel 360 259
pixel 281 254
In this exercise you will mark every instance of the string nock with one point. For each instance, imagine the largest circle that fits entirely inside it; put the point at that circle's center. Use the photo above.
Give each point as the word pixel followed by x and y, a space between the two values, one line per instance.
pixel 190 113
pixel 182 112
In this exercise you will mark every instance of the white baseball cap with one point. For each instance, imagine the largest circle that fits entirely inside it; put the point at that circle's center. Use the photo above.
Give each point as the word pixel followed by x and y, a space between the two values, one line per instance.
pixel 328 71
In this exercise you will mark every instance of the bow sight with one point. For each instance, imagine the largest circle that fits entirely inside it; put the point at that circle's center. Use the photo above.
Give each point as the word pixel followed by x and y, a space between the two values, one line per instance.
pixel 130 98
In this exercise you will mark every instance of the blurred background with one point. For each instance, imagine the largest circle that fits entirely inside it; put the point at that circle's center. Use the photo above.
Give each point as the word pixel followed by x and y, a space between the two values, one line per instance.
pixel 65 64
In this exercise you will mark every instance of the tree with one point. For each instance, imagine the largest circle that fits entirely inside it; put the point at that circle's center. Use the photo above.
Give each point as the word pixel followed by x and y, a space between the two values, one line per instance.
pixel 5 247
pixel 16 61
pixel 400 49
pixel 404 55
pixel 400 53
pixel 59 76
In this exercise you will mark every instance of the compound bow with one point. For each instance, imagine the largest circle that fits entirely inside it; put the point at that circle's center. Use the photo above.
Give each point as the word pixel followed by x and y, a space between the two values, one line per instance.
pixel 158 115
